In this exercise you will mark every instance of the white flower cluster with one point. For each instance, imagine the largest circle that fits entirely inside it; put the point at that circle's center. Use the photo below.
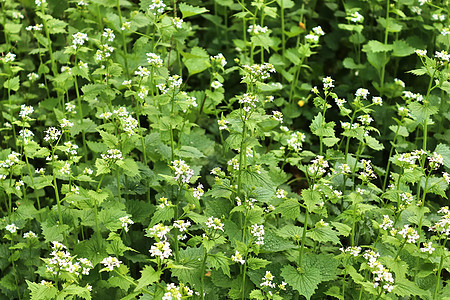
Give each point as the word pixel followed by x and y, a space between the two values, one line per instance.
pixel 428 247
pixel 182 225
pixel 214 223
pixel 268 280
pixel 29 235
pixel 70 108
pixel 66 124
pixel 182 170
pixel 328 83
pixel 198 191
pixel 161 249
pixel 421 52
pixel 9 57
pixel 79 39
pixel 356 17
pixel 258 232
pixel 410 234
pixel 37 27
pixel 353 250
pixel 154 60
pixel 257 29
pixel 368 172
pixel 399 82
pixel 237 257
pixel 442 55
pixel 112 155
pixel 142 71
pixel 219 59
pixel 32 76
pixel 257 72
pixel 62 260
pixel 25 111
pixel 248 101
pixel 436 160
pixel 296 141
pixel 318 167
pixel 234 163
pixel 65 170
pixel 11 228
pixel 277 116
pixel 314 35
pixel 282 194
pixel 26 135
pixel 157 6
pixel 377 101
pixel 104 52
pixel 109 34
pixel 387 223
pixel 126 221
pixel 362 93
pixel 442 226
pixel 52 134
pixel 159 230
pixel 174 292
pixel 71 149
pixel 177 22
pixel 382 276
pixel 110 263
pixel 411 96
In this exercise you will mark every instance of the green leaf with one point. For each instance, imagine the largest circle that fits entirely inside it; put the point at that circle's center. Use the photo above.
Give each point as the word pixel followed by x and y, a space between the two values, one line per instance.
pixel 421 112
pixel 12 84
pixel 342 228
pixel 327 265
pixel 373 143
pixel 129 166
pixel 403 288
pixel 419 72
pixel 330 141
pixel 289 209
pixel 376 46
pixel 101 166
pixel 41 292
pixel 400 130
pixel 189 152
pixel 402 48
pixel 149 276
pixel 191 260
pixel 197 61
pixel 444 150
pixel 162 214
pixel 219 261
pixel 56 26
pixel 286 3
pixel 323 234
pixel 110 140
pixel 255 263
pixel 304 280
pixel 311 198
pixel 189 10
pixel 321 128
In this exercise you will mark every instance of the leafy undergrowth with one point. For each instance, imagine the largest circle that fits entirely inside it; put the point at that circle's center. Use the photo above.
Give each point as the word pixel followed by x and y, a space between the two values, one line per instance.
pixel 224 149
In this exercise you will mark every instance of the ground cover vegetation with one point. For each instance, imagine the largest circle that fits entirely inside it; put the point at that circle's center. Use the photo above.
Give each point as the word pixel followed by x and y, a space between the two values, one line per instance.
pixel 224 149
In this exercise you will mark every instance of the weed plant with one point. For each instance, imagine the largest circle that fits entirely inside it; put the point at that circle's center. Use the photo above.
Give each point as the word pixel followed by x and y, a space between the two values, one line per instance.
pixel 224 149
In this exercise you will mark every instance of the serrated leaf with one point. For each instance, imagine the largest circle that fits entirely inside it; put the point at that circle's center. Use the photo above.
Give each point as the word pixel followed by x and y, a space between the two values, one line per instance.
pixel 255 263
pixel 305 280
pixel 189 10
pixel 286 3
pixel 149 276
pixel 444 150
pixel 12 84
pixel 129 166
pixel 196 61
pixel 373 143
pixel 41 292
pixel 402 48
pixel 220 261
pixel 162 214
pixel 419 72
pixel 289 209
pixel 376 46
pixel 311 198
pixel 400 130
pixel 403 288
pixel 323 234
pixel 109 139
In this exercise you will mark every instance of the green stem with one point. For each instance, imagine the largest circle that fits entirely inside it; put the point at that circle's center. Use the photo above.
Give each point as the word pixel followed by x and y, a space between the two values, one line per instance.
pixel 203 269
pixel 118 184
pixel 124 44
pixel 302 246
pixel 386 35
pixel 441 263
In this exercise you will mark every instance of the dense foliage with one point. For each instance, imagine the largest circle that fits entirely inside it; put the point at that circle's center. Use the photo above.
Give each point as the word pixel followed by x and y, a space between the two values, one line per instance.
pixel 224 149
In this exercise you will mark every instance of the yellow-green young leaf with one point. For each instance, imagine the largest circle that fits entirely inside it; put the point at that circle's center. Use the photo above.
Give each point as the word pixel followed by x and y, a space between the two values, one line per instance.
pixel 76 290
pixel 56 26
pixel 286 3
pixel 101 166
pixel 373 143
pixel 402 48
pixel 13 28
pixel 376 46
pixel 162 214
pixel 12 84
pixel 444 150
pixel 305 280
pixel 189 10
pixel 257 294
pixel 255 263
pixel 149 276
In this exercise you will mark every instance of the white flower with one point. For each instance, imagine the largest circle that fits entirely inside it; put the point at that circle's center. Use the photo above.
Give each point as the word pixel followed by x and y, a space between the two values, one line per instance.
pixel 79 39
pixel 11 228
pixel 112 155
pixel 182 170
pixel 182 225
pixel 258 232
pixel 377 101
pixel 216 84
pixel 177 22
pixel 198 191
pixel 125 222
pixel 109 34
pixel 281 194
pixel 257 29
pixel 421 52
pixel 267 280
pixel 159 231
pixel 111 262
pixel 387 223
pixel 29 235
pixel 237 257
pixel 157 6
pixel 318 30
pixel 154 60
pixel 65 170
pixel 52 134
pixel 214 223
pixel 356 17
pixel 328 83
pixel 32 76
pixel 362 93
pixel 277 116
pixel 427 247
pixel 410 234
pixel 161 249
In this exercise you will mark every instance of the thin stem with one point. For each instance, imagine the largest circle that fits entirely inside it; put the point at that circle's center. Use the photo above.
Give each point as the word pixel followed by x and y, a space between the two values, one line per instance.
pixel 302 246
